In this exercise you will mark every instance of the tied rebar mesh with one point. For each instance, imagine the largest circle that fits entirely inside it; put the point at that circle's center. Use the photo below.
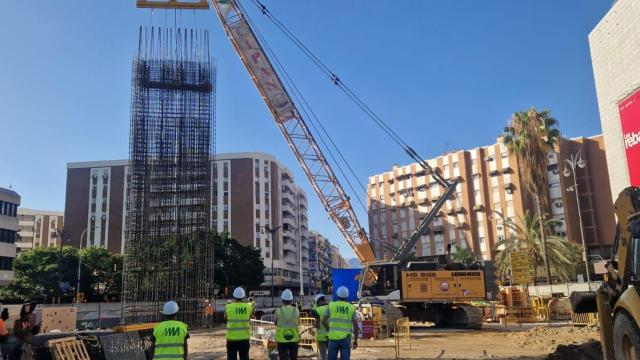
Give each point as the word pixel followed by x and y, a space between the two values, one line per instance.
pixel 169 255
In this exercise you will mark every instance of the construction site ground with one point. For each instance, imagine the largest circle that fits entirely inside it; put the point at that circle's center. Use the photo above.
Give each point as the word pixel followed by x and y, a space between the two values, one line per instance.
pixel 494 341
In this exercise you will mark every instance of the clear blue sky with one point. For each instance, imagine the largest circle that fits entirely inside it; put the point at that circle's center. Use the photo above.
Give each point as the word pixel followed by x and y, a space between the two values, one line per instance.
pixel 444 74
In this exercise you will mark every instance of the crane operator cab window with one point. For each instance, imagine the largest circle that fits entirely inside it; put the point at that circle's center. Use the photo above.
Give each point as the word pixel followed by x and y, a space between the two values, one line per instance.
pixel 387 280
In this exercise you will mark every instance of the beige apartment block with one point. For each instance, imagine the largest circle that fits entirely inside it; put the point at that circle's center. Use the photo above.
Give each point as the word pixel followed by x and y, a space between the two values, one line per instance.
pixel 38 228
pixel 489 190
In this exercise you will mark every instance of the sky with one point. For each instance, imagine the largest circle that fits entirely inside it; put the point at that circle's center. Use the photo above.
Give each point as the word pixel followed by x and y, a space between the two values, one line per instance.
pixel 443 74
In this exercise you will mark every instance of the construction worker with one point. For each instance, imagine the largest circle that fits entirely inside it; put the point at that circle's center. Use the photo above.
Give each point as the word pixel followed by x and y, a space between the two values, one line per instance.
pixel 208 312
pixel 322 336
pixel 287 333
pixel 237 314
pixel 169 340
pixel 340 319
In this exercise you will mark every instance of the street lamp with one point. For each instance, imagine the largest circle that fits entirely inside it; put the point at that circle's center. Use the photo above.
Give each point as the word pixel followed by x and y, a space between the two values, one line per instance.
pixel 79 264
pixel 576 161
pixel 272 232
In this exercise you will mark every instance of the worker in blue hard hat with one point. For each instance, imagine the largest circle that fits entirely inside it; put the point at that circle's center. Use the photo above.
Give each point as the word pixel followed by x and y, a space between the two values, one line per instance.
pixel 340 318
pixel 170 336
pixel 237 315
pixel 287 332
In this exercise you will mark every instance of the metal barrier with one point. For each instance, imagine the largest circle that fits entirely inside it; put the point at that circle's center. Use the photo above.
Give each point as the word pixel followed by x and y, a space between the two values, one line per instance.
pixel 403 331
pixel 586 319
pixel 518 315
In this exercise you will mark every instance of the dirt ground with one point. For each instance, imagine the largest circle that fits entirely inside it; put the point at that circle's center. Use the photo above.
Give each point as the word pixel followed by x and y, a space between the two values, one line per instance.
pixel 549 342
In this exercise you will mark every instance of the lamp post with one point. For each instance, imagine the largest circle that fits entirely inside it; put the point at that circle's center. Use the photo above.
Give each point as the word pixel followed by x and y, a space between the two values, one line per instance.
pixel 272 232
pixel 79 265
pixel 571 164
pixel 62 234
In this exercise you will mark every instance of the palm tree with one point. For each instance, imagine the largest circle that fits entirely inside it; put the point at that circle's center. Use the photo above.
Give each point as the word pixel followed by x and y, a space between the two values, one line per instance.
pixel 463 255
pixel 525 235
pixel 530 136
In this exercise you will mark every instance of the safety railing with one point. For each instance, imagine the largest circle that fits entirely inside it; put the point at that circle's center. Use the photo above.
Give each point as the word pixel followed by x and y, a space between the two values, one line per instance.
pixel 586 319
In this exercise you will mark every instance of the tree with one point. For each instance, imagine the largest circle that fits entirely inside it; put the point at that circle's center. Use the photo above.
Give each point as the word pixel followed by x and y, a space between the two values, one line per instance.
pixel 530 136
pixel 463 255
pixel 104 273
pixel 43 272
pixel 236 265
pixel 525 235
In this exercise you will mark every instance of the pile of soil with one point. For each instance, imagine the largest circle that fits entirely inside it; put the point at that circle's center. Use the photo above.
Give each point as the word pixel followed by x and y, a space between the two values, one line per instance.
pixel 591 350
pixel 566 342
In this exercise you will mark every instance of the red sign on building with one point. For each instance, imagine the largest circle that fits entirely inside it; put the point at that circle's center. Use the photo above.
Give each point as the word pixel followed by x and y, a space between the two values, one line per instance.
pixel 630 122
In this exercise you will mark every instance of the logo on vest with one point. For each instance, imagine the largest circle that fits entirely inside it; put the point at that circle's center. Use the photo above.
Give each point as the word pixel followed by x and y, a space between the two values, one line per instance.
pixel 171 331
pixel 342 309
pixel 241 311
pixel 631 139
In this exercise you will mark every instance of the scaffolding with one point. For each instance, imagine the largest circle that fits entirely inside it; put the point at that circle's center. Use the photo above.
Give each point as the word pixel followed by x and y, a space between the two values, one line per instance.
pixel 169 252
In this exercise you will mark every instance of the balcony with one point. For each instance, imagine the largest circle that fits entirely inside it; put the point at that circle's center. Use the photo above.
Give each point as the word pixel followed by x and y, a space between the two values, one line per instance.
pixel 288 245
pixel 478 207
pixel 509 187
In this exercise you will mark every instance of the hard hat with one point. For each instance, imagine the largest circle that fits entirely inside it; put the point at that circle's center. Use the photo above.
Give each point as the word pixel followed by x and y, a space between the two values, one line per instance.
pixel 170 308
pixel 318 297
pixel 238 293
pixel 287 295
pixel 342 292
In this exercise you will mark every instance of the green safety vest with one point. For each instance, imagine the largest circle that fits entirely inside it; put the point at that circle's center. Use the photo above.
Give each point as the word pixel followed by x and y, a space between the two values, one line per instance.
pixel 340 320
pixel 238 321
pixel 170 336
pixel 321 331
pixel 287 317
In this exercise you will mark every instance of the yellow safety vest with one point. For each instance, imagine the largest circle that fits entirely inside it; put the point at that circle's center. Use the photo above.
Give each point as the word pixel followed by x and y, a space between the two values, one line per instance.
pixel 340 320
pixel 321 332
pixel 170 336
pixel 238 321
pixel 288 317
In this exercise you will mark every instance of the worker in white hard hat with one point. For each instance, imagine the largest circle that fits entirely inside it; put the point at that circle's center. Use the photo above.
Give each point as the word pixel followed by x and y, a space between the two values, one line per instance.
pixel 237 315
pixel 322 336
pixel 287 332
pixel 169 338
pixel 340 318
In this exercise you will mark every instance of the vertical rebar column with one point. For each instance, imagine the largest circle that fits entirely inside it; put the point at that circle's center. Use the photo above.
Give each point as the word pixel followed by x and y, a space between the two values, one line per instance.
pixel 169 254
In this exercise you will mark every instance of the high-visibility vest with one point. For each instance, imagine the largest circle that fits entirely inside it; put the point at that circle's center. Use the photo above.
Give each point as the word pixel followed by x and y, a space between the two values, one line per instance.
pixel 238 321
pixel 340 320
pixel 321 332
pixel 287 331
pixel 170 336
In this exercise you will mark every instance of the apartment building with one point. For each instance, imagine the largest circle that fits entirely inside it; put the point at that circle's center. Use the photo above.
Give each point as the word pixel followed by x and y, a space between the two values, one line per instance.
pixel 320 260
pixel 249 191
pixel 489 190
pixel 38 228
pixel 95 204
pixel 337 261
pixel 9 203
pixel 615 49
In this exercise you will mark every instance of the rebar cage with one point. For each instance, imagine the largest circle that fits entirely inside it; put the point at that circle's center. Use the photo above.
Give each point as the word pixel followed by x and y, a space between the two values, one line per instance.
pixel 169 254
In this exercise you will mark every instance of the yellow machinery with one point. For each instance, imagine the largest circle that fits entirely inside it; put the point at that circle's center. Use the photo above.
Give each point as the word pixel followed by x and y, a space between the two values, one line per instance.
pixel 617 301
pixel 428 291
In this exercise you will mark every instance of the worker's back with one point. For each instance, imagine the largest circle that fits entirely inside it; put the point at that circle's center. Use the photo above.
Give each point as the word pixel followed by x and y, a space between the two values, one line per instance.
pixel 170 336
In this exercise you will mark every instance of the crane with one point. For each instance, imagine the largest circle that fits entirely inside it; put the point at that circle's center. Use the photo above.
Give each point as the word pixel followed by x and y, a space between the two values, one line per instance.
pixel 319 172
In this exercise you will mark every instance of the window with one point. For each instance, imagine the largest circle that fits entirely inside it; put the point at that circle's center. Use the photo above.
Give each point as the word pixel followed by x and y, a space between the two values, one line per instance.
pixel 225 226
pixel 455 165
pixel 491 158
pixel 93 207
pixel 257 213
pixel 225 170
pixel 266 214
pixel 94 192
pixel 504 155
pixel 214 171
pixel 104 206
pixel 257 191
pixel 256 168
pixel 105 190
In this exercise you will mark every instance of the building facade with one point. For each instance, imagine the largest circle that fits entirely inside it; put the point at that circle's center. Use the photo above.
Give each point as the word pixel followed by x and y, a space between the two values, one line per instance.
pixel 95 202
pixel 488 192
pixel 323 256
pixel 249 191
pixel 615 50
pixel 38 228
pixel 9 203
